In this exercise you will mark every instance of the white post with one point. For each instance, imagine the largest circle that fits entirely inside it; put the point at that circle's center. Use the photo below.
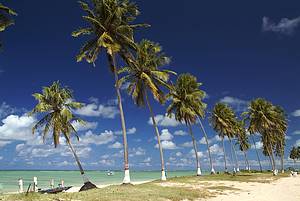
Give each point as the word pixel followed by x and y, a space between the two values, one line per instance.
pixel 52 183
pixel 126 179
pixel 35 188
pixel 62 183
pixel 163 175
pixel 21 186
pixel 199 171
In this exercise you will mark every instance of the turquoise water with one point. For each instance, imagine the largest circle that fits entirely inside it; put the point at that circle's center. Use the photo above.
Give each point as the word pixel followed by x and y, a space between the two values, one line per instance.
pixel 9 179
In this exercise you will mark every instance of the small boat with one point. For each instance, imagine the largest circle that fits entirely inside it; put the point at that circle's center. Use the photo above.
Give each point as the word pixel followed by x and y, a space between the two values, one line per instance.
pixel 55 190
pixel 109 173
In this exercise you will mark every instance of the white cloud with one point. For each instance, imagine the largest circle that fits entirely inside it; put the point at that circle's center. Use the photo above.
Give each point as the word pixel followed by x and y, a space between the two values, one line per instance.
pixel 136 152
pixel 216 149
pixel 86 126
pixel 129 131
pixel 116 145
pixel 1 157
pixel 297 143
pixel 167 145
pixel 17 128
pixel 95 110
pixel 187 144
pixel 192 154
pixel 180 133
pixel 285 26
pixel 166 135
pixel 90 138
pixel 296 113
pixel 164 120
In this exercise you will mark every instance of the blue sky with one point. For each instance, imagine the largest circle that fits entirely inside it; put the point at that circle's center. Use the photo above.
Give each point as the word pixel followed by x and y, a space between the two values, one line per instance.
pixel 238 50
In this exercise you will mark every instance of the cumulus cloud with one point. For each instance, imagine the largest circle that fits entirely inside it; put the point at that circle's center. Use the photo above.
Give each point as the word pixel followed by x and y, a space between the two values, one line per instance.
pixel 147 160
pixel 180 133
pixel 178 154
pixel 203 141
pixel 16 127
pixel 136 152
pixel 284 26
pixel 193 155
pixel 95 110
pixel 164 120
pixel 167 145
pixel 166 135
pixel 1 157
pixel 296 113
pixel 103 138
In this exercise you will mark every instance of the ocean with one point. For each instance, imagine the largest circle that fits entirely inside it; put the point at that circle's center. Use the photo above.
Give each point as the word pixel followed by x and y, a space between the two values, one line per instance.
pixel 9 179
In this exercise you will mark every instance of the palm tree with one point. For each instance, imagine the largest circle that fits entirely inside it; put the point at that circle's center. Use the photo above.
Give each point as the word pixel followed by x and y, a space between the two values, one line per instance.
pixel 295 154
pixel 265 119
pixel 56 104
pixel 109 25
pixel 5 17
pixel 144 76
pixel 243 140
pixel 223 122
pixel 187 105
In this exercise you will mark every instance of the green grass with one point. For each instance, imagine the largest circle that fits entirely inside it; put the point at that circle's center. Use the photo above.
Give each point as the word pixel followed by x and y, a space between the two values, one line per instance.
pixel 182 189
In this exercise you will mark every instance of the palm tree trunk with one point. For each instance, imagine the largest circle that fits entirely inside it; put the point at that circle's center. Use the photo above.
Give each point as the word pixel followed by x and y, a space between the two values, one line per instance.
pixel 231 157
pixel 260 167
pixel 236 159
pixel 112 61
pixel 247 162
pixel 282 158
pixel 212 171
pixel 163 173
pixel 87 184
pixel 274 163
pixel 195 148
pixel 270 153
pixel 225 162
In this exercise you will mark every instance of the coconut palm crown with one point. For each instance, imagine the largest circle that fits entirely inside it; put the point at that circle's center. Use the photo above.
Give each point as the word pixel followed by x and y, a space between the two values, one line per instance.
pixel 110 27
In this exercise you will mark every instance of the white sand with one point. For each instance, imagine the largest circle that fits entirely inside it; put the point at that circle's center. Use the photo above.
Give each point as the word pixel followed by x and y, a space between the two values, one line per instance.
pixel 285 189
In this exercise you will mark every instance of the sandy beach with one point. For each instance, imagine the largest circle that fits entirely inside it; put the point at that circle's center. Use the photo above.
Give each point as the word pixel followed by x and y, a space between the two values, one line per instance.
pixel 285 189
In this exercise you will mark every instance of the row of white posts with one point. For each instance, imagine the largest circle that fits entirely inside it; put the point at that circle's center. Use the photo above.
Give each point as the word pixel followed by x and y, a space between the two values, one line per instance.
pixel 35 186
